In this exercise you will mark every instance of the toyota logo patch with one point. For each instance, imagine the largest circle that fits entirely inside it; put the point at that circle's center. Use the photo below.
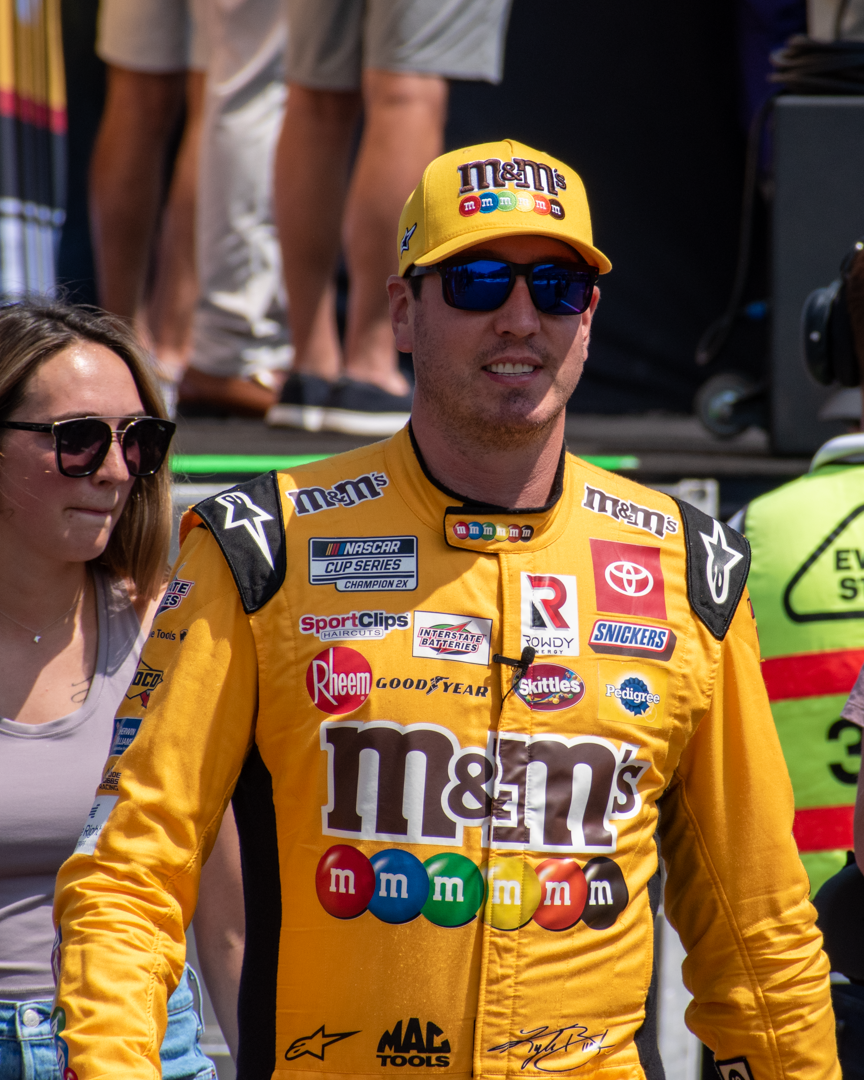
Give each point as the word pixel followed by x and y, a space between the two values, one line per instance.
pixel 629 579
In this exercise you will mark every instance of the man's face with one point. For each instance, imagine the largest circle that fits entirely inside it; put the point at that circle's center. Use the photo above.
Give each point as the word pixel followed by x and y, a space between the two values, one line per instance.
pixel 497 375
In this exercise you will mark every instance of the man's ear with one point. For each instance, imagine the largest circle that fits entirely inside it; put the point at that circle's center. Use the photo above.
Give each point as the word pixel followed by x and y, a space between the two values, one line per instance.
pixel 401 312
pixel 587 317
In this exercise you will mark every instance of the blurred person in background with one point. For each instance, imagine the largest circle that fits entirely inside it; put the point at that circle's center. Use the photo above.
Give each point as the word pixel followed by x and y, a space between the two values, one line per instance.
pixel 241 344
pixel 204 287
pixel 840 903
pixel 143 241
pixel 807 589
pixel 85 517
pixel 389 61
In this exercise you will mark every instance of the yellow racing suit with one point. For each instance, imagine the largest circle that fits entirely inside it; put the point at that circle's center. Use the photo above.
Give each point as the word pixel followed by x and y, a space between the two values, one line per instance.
pixel 450 847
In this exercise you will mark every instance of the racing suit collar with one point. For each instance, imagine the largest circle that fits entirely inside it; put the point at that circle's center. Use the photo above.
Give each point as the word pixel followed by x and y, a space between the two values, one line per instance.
pixel 475 526
pixel 554 494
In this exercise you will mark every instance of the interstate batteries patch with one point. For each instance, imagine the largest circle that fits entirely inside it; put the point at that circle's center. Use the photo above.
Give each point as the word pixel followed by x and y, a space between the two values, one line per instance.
pixel 364 563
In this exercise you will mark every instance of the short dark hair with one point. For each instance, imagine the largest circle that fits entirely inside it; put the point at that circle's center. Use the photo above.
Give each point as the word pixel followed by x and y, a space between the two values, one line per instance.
pixel 31 332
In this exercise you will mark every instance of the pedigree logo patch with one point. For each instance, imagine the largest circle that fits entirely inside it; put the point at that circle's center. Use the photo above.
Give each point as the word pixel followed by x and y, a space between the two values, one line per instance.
pixel 631 694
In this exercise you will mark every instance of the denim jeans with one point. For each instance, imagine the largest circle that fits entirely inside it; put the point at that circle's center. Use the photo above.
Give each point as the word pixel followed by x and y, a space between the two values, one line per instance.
pixel 27 1049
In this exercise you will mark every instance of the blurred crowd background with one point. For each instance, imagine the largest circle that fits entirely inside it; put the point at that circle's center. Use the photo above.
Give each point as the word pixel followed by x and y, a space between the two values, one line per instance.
pixel 650 103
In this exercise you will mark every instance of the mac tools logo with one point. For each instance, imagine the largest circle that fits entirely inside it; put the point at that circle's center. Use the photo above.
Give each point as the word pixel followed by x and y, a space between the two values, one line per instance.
pixel 628 579
pixel 550 614
pixel 439 636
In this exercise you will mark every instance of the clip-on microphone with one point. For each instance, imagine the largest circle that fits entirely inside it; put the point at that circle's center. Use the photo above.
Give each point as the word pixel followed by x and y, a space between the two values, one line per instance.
pixel 521 665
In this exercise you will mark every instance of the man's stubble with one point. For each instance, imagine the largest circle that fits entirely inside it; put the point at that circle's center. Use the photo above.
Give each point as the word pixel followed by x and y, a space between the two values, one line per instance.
pixel 460 409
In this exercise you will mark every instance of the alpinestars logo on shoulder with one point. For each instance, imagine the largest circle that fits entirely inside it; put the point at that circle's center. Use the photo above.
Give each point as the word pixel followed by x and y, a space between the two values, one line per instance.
pixel 240 510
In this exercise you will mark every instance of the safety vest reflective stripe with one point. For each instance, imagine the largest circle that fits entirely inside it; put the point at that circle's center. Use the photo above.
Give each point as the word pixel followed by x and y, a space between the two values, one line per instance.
pixel 823 828
pixel 812 674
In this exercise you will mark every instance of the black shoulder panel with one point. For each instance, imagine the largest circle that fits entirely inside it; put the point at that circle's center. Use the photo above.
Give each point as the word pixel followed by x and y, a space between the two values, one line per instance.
pixel 247 523
pixel 718 561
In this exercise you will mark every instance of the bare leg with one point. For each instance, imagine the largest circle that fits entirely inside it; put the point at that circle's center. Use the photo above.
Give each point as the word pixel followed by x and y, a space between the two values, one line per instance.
pixel 311 183
pixel 126 181
pixel 403 131
pixel 175 283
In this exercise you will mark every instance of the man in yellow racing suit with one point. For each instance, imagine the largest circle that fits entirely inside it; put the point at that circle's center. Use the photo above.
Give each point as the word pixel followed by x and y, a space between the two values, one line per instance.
pixel 460 686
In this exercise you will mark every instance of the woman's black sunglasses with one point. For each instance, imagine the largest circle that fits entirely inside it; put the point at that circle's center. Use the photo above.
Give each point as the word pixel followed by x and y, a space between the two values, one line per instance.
pixel 485 284
pixel 82 444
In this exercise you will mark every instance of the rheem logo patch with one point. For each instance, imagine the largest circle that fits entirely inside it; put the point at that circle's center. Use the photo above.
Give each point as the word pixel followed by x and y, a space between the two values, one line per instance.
pixel 339 680
pixel 550 614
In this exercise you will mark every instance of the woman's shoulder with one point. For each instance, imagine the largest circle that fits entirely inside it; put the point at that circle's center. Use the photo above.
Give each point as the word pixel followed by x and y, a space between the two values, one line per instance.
pixel 123 599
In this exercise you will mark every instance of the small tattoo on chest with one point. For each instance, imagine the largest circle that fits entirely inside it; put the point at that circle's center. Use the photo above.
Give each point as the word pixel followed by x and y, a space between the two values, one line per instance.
pixel 80 690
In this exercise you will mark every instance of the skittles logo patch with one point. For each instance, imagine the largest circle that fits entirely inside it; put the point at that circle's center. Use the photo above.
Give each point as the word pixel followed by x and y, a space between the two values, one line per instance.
pixel 449 890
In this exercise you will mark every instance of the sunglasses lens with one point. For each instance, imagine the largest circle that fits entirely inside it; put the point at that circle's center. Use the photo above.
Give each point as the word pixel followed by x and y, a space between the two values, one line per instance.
pixel 82 445
pixel 481 285
pixel 145 444
pixel 559 290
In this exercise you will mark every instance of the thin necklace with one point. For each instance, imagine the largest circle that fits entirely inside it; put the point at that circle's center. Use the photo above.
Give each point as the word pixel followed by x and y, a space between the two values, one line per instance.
pixel 37 634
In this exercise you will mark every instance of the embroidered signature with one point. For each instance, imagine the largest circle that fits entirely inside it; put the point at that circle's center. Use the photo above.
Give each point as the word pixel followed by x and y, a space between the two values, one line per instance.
pixel 545 1043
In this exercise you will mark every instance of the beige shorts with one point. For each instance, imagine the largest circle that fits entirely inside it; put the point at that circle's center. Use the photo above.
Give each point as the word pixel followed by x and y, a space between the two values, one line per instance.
pixel 330 42
pixel 152 36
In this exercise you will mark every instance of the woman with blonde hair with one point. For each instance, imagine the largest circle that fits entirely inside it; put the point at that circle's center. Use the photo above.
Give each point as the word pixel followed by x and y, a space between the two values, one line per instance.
pixel 85 519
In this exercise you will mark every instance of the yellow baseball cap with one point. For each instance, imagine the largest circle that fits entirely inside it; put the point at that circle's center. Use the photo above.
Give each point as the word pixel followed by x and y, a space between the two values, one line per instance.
pixel 490 190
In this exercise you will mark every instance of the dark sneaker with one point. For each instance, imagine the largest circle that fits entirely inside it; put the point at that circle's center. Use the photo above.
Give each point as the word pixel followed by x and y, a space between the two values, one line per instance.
pixel 301 403
pixel 359 408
